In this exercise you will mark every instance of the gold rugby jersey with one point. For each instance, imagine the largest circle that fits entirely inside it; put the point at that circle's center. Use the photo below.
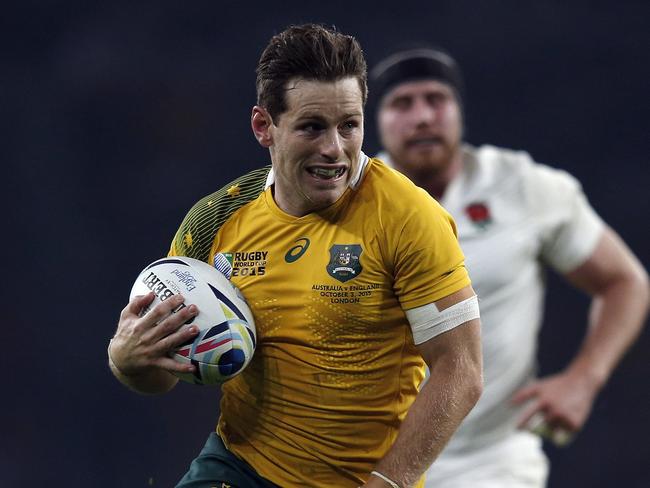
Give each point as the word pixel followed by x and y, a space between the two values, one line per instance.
pixel 335 368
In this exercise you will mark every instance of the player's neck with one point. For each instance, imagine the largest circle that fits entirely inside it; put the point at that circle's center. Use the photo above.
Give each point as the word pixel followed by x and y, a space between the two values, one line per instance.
pixel 434 181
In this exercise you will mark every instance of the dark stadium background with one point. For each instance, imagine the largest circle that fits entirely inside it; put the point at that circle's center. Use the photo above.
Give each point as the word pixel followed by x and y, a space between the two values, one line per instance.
pixel 117 116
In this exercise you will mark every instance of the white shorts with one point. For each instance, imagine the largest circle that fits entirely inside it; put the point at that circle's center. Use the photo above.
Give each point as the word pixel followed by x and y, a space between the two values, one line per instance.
pixel 515 462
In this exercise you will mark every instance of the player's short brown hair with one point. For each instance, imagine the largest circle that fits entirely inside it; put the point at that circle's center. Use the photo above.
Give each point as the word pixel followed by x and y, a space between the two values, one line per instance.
pixel 311 52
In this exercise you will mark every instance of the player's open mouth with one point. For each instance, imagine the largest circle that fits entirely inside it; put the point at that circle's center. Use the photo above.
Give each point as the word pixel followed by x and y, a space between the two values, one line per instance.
pixel 326 173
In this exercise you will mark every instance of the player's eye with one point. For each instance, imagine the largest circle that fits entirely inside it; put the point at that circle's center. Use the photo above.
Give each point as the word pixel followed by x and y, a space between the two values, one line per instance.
pixel 311 127
pixel 401 103
pixel 435 99
pixel 348 126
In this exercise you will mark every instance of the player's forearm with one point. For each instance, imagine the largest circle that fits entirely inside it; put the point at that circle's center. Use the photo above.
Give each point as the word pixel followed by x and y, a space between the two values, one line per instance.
pixel 149 382
pixel 454 386
pixel 616 318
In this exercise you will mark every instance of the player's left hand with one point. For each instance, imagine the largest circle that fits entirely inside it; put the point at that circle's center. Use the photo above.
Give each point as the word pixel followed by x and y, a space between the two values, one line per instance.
pixel 564 402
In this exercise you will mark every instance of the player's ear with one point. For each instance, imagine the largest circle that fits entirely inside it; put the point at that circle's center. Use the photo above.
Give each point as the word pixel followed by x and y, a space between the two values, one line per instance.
pixel 261 123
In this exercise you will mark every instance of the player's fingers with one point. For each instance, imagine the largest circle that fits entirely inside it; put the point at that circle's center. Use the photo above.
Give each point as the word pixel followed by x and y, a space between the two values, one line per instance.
pixel 135 306
pixel 533 413
pixel 541 425
pixel 556 430
pixel 536 423
pixel 178 338
pixel 562 420
pixel 171 365
pixel 173 323
pixel 525 393
pixel 161 311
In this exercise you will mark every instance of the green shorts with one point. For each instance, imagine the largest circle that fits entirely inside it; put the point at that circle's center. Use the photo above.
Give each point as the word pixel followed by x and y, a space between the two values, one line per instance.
pixel 217 467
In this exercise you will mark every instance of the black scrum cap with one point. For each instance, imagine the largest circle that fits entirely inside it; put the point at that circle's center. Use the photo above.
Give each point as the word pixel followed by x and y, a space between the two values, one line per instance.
pixel 414 65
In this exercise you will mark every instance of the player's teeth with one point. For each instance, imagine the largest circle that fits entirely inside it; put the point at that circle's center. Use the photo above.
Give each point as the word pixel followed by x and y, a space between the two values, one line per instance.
pixel 330 173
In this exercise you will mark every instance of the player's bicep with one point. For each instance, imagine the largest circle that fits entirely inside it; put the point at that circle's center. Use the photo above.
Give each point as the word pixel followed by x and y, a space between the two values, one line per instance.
pixel 611 261
pixel 455 354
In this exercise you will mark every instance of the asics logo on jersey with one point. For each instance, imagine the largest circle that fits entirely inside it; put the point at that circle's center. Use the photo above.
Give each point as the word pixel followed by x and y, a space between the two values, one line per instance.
pixel 297 251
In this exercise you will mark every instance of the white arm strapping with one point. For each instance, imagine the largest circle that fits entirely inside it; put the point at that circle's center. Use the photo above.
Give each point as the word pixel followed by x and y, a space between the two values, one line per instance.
pixel 427 321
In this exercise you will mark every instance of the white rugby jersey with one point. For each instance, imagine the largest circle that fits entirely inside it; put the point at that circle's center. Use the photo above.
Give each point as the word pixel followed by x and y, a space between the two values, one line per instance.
pixel 513 216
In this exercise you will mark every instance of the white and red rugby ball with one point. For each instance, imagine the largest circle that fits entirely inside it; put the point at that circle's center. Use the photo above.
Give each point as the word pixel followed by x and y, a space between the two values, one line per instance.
pixel 227 337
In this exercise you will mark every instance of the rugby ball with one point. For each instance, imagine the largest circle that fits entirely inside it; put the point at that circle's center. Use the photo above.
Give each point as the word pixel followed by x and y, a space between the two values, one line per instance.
pixel 227 337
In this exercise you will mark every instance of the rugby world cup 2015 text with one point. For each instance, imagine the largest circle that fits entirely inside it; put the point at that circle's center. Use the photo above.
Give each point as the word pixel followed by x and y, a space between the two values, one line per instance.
pixel 252 263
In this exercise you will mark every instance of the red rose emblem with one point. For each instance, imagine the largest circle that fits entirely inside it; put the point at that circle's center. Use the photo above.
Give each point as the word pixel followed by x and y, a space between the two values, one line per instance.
pixel 478 213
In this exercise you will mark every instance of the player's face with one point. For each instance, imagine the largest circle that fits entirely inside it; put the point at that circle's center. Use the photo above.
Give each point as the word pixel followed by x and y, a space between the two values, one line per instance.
pixel 315 144
pixel 420 125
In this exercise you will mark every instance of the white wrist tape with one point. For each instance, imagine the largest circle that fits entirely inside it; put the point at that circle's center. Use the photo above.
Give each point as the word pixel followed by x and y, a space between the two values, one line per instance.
pixel 427 321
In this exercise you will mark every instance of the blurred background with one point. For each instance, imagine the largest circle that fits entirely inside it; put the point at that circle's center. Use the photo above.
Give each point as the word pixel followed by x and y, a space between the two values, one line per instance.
pixel 117 116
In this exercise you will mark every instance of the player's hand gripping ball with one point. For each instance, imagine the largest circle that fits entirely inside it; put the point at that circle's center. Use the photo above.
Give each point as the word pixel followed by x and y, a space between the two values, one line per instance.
pixel 226 339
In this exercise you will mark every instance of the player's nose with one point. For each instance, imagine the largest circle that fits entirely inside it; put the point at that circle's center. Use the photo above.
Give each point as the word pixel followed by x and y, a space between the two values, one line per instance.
pixel 331 145
pixel 423 113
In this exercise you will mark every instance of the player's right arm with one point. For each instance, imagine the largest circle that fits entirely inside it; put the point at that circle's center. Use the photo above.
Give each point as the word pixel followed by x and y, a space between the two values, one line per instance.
pixel 138 353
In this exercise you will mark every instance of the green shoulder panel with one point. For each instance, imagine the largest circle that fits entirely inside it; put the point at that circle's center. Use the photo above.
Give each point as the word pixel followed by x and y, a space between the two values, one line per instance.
pixel 195 236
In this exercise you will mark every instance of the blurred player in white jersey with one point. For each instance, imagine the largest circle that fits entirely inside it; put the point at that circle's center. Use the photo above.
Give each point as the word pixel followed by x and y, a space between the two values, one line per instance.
pixel 514 216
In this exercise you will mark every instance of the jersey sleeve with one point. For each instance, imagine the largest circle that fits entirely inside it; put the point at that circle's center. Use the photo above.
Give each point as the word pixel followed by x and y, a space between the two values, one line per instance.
pixel 195 235
pixel 570 226
pixel 197 230
pixel 429 263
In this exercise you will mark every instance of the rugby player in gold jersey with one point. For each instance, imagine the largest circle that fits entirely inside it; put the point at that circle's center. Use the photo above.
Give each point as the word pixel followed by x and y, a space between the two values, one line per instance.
pixel 357 283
